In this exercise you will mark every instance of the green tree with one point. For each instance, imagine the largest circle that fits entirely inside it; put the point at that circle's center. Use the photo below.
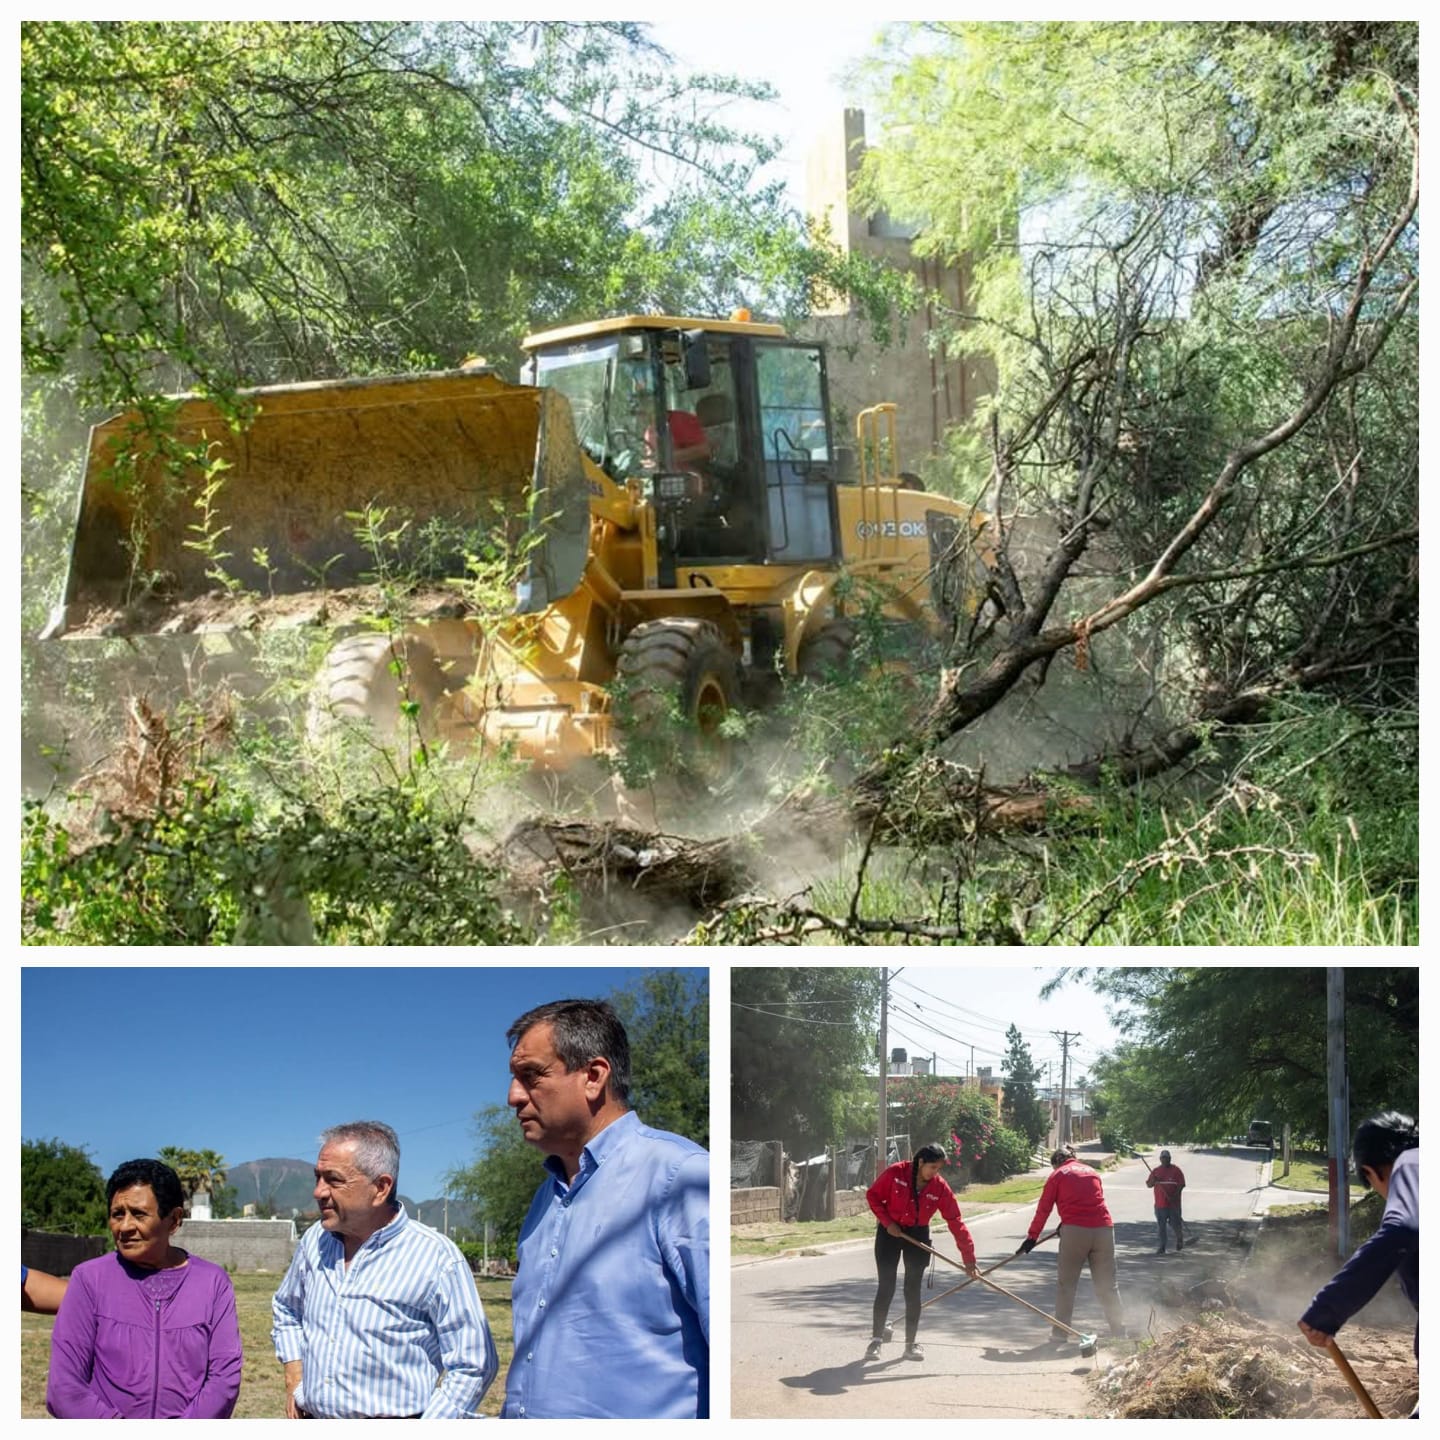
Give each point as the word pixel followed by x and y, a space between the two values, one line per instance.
pixel 61 1189
pixel 800 1038
pixel 1021 1108
pixel 216 199
pixel 503 1179
pixel 667 1020
pixel 1204 328
pixel 1207 1049
pixel 201 1172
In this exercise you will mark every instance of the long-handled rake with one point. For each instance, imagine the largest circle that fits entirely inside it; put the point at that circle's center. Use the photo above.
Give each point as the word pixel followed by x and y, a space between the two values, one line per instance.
pixel 1087 1342
pixel 1353 1380
pixel 969 1280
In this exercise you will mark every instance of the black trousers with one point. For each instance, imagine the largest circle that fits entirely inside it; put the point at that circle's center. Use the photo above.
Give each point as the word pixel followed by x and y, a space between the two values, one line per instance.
pixel 888 1250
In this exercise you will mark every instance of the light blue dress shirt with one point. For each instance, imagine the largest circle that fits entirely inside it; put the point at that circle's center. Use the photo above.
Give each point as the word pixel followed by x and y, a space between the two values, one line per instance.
pixel 374 1338
pixel 612 1300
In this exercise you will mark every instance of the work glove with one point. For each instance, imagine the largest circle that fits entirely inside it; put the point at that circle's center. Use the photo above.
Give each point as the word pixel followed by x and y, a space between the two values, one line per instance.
pixel 1026 1246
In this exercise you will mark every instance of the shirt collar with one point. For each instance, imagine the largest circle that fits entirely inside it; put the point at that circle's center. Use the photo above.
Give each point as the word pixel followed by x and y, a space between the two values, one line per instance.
pixel 596 1150
pixel 383 1236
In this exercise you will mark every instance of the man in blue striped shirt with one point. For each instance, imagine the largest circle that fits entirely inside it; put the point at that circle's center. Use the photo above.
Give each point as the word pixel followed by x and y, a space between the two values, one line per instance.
pixel 611 1302
pixel 376 1306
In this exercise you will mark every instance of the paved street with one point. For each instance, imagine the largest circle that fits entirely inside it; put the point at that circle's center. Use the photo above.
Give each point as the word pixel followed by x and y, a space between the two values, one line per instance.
pixel 800 1324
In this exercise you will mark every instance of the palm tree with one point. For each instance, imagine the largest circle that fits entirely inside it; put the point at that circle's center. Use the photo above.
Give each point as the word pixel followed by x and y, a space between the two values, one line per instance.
pixel 201 1172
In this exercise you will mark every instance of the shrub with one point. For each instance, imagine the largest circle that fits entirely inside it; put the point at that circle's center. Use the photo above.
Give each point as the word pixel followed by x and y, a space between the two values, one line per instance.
pixel 1009 1154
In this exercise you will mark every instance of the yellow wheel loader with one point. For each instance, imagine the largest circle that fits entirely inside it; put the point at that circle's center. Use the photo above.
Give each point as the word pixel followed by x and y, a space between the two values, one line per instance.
pixel 669 487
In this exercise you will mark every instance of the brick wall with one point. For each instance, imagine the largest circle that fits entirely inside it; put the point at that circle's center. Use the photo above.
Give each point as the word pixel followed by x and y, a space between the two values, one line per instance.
pixel 756 1206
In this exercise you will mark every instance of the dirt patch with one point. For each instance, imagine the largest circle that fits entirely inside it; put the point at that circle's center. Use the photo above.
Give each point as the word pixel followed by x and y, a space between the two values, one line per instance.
pixel 1229 1365
pixel 219 609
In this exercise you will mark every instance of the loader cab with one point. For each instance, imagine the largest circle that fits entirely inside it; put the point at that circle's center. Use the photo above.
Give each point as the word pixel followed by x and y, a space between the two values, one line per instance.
pixel 724 425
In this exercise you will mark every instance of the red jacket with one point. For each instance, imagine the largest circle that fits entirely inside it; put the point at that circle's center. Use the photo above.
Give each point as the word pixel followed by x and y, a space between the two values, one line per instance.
pixel 1168 1181
pixel 1076 1190
pixel 891 1199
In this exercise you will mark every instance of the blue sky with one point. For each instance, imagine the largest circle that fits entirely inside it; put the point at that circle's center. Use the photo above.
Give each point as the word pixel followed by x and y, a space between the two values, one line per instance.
pixel 254 1062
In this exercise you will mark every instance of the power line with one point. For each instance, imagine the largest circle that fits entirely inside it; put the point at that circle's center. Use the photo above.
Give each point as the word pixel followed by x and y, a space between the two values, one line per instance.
pixel 793 1019
pixel 991 1022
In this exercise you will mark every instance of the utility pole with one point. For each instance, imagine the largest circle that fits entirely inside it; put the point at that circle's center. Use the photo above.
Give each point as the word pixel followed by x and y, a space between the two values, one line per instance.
pixel 1339 1093
pixel 1064 1037
pixel 972 1067
pixel 881 1113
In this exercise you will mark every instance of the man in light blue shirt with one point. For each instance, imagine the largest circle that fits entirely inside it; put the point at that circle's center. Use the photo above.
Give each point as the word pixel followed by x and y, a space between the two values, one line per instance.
pixel 611 1302
pixel 375 1306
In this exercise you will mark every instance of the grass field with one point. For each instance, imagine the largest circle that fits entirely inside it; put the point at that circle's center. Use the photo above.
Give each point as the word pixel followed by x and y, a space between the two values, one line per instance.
pixel 1308 1172
pixel 262 1385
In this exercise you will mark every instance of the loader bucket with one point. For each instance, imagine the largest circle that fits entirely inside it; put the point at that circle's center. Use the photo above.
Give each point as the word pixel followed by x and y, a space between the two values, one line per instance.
pixel 462 448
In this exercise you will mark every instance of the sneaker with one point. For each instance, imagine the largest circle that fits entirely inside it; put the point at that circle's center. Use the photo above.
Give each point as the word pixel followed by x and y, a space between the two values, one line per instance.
pixel 872 1350
pixel 914 1352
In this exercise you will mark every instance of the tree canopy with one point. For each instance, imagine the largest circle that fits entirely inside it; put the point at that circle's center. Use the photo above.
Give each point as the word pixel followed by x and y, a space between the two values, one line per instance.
pixel 61 1189
pixel 1021 1108
pixel 1195 264
pixel 201 1172
pixel 667 1020
pixel 800 1037
pixel 1207 1049
pixel 222 201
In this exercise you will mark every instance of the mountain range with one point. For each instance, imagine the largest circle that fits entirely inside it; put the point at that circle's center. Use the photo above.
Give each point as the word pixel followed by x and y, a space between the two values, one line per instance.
pixel 287 1187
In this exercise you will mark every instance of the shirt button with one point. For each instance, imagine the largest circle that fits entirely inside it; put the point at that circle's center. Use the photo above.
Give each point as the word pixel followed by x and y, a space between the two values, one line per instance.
pixel 542 1304
pixel 553 1250
pixel 529 1354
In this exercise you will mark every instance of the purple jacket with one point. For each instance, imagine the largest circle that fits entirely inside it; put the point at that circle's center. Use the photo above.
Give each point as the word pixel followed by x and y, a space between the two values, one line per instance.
pixel 133 1344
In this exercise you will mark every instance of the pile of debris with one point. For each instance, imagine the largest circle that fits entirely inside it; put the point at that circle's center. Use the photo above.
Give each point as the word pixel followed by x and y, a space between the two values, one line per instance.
pixel 1226 1364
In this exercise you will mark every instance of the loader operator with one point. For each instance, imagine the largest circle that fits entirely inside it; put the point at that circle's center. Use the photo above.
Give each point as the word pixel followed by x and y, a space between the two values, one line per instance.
pixel 1087 1235
pixel 903 1199
pixel 1167 1181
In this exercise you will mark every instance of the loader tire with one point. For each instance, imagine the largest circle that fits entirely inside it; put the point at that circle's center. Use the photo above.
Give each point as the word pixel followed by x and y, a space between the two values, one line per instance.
pixel 829 653
pixel 358 689
pixel 681 669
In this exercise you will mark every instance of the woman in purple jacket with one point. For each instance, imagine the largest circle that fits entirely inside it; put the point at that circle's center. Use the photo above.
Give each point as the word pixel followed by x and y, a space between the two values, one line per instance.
pixel 148 1333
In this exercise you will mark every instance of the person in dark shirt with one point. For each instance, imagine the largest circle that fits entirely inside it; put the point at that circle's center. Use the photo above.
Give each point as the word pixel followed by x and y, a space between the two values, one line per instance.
pixel 1387 1160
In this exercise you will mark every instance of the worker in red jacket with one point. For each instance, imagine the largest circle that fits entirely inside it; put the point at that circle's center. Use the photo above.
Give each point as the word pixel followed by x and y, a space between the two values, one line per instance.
pixel 1087 1236
pixel 1167 1181
pixel 903 1199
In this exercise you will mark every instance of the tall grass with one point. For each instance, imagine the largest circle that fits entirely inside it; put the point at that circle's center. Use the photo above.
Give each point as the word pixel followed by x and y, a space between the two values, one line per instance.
pixel 1136 879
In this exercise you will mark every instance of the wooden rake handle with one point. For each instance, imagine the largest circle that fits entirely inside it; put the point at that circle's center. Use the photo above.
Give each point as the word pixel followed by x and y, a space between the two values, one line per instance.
pixel 1019 1300
pixel 1080 1334
pixel 968 1280
pixel 1353 1380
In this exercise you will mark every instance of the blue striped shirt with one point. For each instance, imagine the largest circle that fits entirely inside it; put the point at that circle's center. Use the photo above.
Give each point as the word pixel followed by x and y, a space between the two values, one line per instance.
pixel 612 1300
pixel 374 1337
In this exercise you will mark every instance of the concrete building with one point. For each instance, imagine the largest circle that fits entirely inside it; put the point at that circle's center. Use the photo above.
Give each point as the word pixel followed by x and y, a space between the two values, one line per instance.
pixel 933 392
